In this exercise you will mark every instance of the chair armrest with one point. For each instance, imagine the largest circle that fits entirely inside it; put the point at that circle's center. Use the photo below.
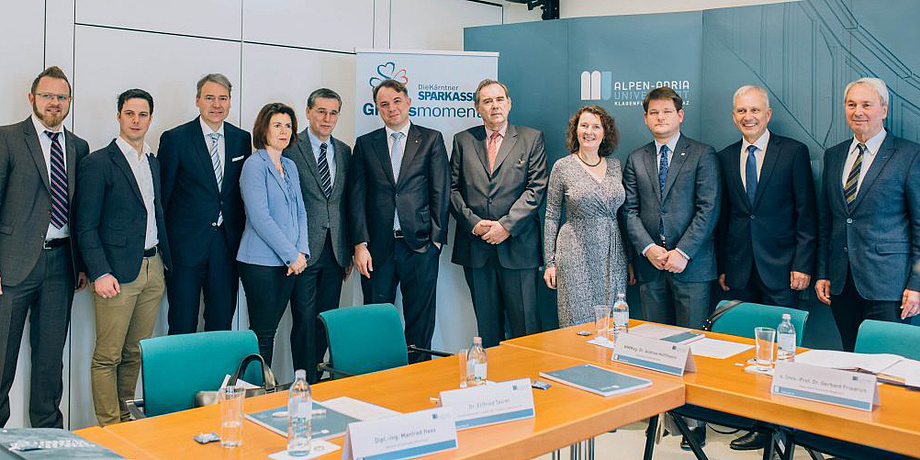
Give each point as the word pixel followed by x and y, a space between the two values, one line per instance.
pixel 328 368
pixel 134 407
pixel 415 349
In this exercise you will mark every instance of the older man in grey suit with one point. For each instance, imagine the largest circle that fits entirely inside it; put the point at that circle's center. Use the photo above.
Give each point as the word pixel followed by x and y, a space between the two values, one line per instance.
pixel 869 230
pixel 322 163
pixel 498 182
pixel 40 263
pixel 672 207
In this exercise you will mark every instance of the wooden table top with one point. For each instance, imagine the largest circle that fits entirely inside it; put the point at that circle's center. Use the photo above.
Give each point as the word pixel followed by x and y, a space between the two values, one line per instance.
pixel 723 385
pixel 115 443
pixel 565 415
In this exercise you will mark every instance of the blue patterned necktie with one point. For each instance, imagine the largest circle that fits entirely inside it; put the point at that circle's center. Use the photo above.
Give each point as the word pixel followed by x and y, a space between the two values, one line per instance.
pixel 750 174
pixel 214 153
pixel 662 178
pixel 323 165
pixel 396 156
pixel 58 179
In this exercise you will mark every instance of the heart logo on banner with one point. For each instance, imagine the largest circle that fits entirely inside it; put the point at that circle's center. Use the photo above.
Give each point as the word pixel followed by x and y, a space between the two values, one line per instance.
pixel 388 70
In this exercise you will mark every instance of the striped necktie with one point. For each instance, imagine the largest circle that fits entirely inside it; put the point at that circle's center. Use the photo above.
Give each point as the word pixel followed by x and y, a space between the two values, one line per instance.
pixel 852 184
pixel 324 176
pixel 218 169
pixel 58 179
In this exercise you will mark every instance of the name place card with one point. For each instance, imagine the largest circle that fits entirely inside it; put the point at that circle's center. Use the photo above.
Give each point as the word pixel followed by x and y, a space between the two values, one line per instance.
pixel 832 386
pixel 657 355
pixel 490 404
pixel 403 436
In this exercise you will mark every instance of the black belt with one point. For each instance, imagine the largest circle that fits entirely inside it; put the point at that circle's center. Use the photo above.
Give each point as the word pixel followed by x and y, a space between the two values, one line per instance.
pixel 54 244
pixel 398 234
pixel 150 252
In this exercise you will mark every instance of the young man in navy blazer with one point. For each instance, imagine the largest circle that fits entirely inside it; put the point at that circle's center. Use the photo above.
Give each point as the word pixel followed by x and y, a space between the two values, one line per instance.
pixel 399 196
pixel 201 162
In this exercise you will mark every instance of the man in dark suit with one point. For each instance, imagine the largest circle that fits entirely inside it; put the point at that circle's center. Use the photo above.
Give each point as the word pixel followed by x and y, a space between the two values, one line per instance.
pixel 322 163
pixel 767 234
pixel 399 196
pixel 122 236
pixel 201 163
pixel 869 230
pixel 498 182
pixel 767 226
pixel 672 208
pixel 38 170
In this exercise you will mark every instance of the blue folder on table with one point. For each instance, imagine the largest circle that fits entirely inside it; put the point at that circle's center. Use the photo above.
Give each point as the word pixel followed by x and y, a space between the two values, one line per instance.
pixel 598 380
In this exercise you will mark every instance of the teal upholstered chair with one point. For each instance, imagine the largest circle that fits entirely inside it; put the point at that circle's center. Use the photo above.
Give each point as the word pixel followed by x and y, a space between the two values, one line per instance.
pixel 887 337
pixel 366 338
pixel 175 367
pixel 742 318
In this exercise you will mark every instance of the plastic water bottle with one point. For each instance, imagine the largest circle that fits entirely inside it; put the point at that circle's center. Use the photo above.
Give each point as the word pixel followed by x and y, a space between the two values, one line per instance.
pixel 476 364
pixel 785 339
pixel 620 314
pixel 300 414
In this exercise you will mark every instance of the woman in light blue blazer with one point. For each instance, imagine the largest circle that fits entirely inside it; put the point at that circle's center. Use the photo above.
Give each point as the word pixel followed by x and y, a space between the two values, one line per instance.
pixel 273 250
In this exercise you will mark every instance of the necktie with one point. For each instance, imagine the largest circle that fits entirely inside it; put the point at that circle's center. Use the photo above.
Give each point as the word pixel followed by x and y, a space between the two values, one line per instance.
pixel 850 189
pixel 58 179
pixel 493 149
pixel 396 155
pixel 324 177
pixel 218 169
pixel 750 174
pixel 662 178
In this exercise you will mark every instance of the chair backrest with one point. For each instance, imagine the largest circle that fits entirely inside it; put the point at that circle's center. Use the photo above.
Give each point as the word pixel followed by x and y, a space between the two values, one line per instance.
pixel 365 338
pixel 175 367
pixel 744 317
pixel 888 337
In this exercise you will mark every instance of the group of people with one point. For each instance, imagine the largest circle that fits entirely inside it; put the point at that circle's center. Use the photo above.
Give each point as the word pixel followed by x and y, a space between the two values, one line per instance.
pixel 294 217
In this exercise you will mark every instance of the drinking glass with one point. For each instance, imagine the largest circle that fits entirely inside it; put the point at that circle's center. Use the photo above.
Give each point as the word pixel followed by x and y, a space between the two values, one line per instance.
pixel 764 338
pixel 231 416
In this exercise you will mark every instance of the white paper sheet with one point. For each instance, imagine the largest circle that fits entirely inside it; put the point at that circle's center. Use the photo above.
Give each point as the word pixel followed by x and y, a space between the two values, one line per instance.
pixel 358 409
pixel 718 349
pixel 873 363
pixel 656 331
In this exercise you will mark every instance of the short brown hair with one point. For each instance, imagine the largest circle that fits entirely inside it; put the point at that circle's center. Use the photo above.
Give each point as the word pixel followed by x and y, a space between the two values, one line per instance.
pixel 260 128
pixel 218 78
pixel 51 72
pixel 392 84
pixel 611 134
pixel 663 93
pixel 487 82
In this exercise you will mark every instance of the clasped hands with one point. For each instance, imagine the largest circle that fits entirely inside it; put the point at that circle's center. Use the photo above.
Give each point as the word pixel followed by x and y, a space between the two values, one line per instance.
pixel 491 231
pixel 299 264
pixel 672 261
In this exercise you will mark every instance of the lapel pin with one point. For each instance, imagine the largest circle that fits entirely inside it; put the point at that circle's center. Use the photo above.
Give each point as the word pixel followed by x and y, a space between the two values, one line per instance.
pixel 683 153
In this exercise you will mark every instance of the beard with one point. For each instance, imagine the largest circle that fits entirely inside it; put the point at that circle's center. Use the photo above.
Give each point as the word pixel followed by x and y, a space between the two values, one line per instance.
pixel 50 120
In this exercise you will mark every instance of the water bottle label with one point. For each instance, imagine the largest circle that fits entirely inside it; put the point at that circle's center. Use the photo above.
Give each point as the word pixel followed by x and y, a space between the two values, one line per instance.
pixel 480 371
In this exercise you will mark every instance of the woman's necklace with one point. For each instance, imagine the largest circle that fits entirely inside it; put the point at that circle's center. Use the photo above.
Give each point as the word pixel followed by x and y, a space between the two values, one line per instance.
pixel 599 159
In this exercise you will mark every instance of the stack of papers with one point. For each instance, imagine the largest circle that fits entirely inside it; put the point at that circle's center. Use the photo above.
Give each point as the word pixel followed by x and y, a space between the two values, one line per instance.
pixel 889 368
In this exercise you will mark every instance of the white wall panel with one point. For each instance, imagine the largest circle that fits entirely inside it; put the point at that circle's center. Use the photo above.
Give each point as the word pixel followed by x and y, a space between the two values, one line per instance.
pixel 208 18
pixel 22 30
pixel 341 25
pixel 437 25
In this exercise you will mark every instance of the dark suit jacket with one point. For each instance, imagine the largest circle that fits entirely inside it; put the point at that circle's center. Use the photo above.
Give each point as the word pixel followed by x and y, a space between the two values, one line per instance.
pixel 879 240
pixel 421 194
pixel 25 198
pixel 780 232
pixel 191 199
pixel 324 213
pixel 113 220
pixel 512 195
pixel 689 208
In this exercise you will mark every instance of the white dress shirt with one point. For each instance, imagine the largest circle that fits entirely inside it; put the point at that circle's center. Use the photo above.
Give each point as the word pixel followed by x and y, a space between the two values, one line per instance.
pixel 402 148
pixel 872 147
pixel 44 140
pixel 761 145
pixel 221 144
pixel 140 166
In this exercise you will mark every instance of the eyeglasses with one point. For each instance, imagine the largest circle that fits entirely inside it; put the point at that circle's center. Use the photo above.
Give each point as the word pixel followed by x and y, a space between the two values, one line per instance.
pixel 48 97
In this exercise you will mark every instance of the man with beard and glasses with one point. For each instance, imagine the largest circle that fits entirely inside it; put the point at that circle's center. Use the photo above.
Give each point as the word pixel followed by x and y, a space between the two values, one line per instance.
pixel 40 264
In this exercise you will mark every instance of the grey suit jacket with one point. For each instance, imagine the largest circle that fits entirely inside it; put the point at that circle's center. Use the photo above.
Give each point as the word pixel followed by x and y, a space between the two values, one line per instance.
pixel 25 198
pixel 512 195
pixel 878 240
pixel 323 213
pixel 689 207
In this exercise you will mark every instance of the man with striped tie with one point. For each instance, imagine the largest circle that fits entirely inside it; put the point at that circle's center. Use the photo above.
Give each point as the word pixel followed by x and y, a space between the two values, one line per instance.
pixel 322 163
pixel 40 263
pixel 869 230
pixel 201 163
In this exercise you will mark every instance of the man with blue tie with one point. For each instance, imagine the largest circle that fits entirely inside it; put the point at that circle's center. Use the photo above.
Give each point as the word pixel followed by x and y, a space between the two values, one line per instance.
pixel 201 164
pixel 869 230
pixel 399 192
pixel 40 262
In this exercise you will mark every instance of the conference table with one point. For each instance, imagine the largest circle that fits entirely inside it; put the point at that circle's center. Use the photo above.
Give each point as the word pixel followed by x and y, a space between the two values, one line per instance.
pixel 564 415
pixel 723 385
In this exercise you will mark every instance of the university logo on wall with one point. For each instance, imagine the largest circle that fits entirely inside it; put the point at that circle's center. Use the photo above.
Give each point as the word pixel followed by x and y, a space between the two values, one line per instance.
pixel 595 85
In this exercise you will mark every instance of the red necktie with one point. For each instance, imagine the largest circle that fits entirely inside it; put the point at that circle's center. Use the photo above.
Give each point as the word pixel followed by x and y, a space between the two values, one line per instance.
pixel 493 149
